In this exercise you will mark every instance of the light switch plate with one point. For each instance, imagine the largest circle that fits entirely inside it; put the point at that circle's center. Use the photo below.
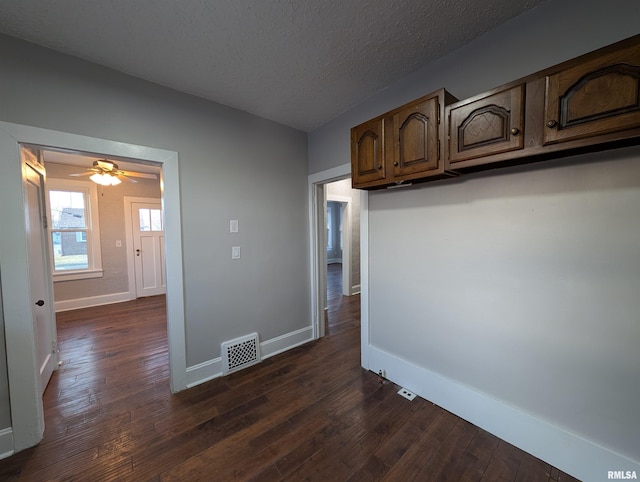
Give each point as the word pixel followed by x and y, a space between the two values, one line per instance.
pixel 235 252
pixel 233 226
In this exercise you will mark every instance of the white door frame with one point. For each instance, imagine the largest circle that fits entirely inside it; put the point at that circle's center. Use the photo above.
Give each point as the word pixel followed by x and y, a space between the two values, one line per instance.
pixel 128 226
pixel 27 416
pixel 347 287
pixel 317 311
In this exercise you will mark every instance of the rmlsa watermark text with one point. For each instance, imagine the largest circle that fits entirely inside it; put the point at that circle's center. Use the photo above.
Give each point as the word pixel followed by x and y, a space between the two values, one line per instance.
pixel 622 474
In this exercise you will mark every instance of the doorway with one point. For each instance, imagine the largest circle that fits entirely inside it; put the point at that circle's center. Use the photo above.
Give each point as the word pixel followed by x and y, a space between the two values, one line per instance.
pixel 343 247
pixel 319 188
pixel 25 401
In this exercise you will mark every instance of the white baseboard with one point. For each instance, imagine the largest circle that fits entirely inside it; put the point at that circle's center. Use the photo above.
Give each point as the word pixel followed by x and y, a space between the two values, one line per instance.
pixel 203 372
pixel 66 305
pixel 210 369
pixel 285 342
pixel 6 443
pixel 566 451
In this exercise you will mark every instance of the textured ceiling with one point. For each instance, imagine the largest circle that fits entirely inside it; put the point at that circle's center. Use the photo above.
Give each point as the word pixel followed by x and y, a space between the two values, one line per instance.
pixel 298 62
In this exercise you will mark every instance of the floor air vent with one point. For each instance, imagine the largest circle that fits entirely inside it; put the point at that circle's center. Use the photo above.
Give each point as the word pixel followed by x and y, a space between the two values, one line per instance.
pixel 240 353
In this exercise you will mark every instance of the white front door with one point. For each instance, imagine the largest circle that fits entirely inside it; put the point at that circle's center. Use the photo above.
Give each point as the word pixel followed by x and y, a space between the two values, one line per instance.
pixel 148 245
pixel 42 311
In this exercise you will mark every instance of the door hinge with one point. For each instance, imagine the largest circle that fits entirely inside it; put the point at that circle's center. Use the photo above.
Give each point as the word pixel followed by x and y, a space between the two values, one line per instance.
pixel 438 149
pixel 45 223
pixel 438 113
pixel 54 346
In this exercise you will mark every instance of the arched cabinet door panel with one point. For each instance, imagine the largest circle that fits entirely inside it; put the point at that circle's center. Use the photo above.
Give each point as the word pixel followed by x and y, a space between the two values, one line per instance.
pixel 367 153
pixel 412 138
pixel 486 126
pixel 599 96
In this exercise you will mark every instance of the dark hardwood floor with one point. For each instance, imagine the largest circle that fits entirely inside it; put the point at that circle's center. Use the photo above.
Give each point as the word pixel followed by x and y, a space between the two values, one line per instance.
pixel 308 414
pixel 343 312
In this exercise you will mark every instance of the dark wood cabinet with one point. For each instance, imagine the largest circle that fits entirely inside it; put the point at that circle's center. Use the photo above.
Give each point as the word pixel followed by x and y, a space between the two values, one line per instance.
pixel 586 104
pixel 367 159
pixel 402 145
pixel 490 124
pixel 598 96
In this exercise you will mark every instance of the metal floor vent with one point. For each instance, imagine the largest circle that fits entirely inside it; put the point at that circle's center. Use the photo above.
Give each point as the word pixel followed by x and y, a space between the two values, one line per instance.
pixel 240 353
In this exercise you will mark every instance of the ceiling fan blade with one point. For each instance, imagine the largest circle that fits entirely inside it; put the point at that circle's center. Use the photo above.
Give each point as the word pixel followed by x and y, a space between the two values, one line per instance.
pixel 126 178
pixel 80 174
pixel 143 175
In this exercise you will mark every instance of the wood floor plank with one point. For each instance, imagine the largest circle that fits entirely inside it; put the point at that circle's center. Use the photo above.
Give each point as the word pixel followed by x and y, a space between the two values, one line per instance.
pixel 311 413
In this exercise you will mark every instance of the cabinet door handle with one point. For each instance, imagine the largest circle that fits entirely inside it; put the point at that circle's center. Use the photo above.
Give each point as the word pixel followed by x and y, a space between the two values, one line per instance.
pixel 395 163
pixel 379 167
pixel 515 131
pixel 552 123
pixel 40 302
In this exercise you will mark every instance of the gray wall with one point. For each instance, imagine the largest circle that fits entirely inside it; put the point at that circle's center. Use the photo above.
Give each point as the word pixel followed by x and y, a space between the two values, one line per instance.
pixel 111 211
pixel 232 166
pixel 521 284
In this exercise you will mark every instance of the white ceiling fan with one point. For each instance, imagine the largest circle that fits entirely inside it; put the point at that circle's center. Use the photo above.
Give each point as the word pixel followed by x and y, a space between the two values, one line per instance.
pixel 107 173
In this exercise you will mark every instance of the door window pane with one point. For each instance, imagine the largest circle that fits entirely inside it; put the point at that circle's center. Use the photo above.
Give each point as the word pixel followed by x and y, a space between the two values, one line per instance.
pixel 150 219
pixel 156 220
pixel 145 219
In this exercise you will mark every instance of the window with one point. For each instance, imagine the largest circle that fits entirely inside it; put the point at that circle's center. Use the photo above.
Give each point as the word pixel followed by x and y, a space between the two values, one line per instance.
pixel 74 229
pixel 150 219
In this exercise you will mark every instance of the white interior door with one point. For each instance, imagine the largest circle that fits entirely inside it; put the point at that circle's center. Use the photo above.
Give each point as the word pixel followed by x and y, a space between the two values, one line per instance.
pixel 148 245
pixel 41 307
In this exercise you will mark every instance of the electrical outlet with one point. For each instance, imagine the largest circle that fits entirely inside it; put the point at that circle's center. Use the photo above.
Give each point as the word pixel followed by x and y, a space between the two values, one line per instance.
pixel 406 394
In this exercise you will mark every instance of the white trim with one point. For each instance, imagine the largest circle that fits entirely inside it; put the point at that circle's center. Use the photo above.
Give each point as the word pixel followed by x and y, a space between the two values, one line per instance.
pixel 26 403
pixel 365 335
pixel 203 372
pixel 314 180
pixel 90 301
pixel 6 443
pixel 128 227
pixel 285 342
pixel 564 450
pixel 355 289
pixel 210 369
pixel 76 275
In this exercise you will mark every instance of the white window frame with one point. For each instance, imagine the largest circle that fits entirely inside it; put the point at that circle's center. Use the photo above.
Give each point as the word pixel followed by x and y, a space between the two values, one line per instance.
pixel 92 219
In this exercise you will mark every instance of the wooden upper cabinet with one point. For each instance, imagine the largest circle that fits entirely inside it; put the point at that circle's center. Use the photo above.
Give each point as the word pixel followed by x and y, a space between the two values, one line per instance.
pixel 598 96
pixel 411 138
pixel 487 125
pixel 585 104
pixel 367 159
pixel 401 145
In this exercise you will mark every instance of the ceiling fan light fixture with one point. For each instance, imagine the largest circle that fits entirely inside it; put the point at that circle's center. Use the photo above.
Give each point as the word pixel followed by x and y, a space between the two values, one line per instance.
pixel 105 179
